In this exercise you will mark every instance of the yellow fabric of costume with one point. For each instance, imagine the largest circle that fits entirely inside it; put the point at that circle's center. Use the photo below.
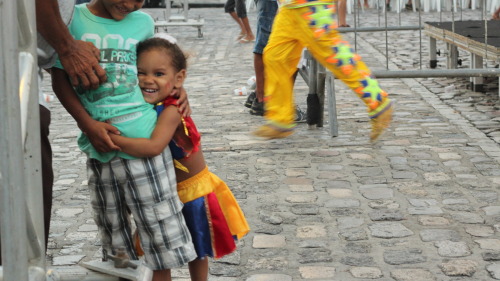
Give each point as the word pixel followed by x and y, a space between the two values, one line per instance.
pixel 312 24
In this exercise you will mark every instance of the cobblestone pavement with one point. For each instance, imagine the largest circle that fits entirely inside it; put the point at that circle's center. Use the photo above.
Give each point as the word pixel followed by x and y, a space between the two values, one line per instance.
pixel 421 204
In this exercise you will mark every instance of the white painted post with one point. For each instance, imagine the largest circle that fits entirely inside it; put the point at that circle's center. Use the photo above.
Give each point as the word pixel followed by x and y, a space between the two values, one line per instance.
pixel 13 207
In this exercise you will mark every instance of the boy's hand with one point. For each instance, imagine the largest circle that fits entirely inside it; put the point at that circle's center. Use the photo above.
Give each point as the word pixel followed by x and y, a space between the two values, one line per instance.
pixel 182 101
pixel 81 63
pixel 97 132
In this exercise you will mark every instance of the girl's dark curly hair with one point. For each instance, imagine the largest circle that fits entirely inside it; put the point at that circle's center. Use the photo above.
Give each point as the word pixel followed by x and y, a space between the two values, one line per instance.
pixel 179 59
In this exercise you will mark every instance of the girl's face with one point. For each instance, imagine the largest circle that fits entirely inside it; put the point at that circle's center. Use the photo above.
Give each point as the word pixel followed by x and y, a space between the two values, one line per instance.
pixel 157 76
pixel 114 9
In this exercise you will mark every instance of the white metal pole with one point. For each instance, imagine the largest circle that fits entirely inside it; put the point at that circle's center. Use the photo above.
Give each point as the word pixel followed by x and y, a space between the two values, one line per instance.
pixel 31 140
pixel 12 212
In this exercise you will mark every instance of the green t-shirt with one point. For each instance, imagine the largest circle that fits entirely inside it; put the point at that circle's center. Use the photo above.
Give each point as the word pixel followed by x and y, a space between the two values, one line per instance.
pixel 119 99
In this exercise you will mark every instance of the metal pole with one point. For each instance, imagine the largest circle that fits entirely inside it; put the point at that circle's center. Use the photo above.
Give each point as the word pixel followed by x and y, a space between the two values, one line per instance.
pixel 355 26
pixel 485 34
pixel 332 105
pixel 13 213
pixel 420 31
pixel 386 40
pixel 437 73
pixel 374 28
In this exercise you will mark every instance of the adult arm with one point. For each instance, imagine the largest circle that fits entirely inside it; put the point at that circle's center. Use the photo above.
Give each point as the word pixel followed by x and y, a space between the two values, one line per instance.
pixel 167 124
pixel 79 59
pixel 96 131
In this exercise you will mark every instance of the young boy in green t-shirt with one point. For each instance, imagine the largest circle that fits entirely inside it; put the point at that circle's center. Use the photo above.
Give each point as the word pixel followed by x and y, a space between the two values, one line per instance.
pixel 119 182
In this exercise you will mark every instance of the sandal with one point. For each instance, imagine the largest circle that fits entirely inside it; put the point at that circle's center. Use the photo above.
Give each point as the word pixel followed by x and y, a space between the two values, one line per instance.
pixel 241 36
pixel 243 40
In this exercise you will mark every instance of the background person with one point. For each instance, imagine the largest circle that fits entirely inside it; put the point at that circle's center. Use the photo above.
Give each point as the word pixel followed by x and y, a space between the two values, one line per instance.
pixel 240 16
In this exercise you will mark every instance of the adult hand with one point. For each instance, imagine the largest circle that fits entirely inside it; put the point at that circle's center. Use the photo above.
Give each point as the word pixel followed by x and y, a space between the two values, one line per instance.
pixel 97 132
pixel 496 14
pixel 81 63
pixel 182 101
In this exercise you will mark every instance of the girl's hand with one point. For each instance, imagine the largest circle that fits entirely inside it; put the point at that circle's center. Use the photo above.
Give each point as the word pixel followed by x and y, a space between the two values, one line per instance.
pixel 97 132
pixel 182 101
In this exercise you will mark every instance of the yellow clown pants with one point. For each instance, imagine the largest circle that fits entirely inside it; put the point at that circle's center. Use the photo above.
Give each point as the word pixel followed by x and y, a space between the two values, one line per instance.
pixel 313 27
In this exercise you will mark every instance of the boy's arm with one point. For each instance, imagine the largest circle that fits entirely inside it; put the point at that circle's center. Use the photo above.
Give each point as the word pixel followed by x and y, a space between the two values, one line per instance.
pixel 96 131
pixel 167 124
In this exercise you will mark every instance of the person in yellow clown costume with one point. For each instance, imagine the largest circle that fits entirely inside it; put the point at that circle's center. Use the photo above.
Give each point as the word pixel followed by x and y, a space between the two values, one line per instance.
pixel 312 24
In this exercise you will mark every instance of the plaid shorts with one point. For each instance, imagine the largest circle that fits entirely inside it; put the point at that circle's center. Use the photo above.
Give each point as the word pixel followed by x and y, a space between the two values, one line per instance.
pixel 147 188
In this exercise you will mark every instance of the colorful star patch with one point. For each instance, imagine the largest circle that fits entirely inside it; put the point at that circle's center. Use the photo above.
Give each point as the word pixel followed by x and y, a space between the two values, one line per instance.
pixel 371 93
pixel 343 57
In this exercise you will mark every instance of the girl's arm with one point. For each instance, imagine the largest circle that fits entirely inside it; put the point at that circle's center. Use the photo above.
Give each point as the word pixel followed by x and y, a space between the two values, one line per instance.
pixel 167 124
pixel 96 131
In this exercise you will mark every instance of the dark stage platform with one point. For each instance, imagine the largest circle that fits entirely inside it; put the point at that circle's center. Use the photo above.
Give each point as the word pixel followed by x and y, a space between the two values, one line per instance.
pixel 473 30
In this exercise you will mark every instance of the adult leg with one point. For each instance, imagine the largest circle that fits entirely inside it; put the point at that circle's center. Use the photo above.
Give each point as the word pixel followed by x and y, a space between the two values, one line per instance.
pixel 241 12
pixel 47 172
pixel 240 23
pixel 258 63
pixel 328 48
pixel 248 30
pixel 342 13
pixel 281 57
pixel 229 8
pixel 267 13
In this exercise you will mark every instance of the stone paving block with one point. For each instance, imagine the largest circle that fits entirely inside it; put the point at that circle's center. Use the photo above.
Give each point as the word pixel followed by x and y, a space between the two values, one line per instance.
pixel 383 204
pixel 269 241
pixel 492 210
pixel 491 256
pixel 301 198
pixel 301 188
pixel 494 270
pixel 453 249
pixel 428 235
pixel 269 277
pixel 389 230
pixel 377 193
pixel 315 272
pixel 468 217
pixel 459 267
pixel 436 177
pixel 342 203
pixel 414 274
pixel 405 256
pixel 68 212
pixel 366 272
pixel 311 231
pixel 432 210
pixel 480 230
pixel 315 256
pixel 257 263
pixel 488 244
pixel 349 222
pixel 432 221
pixel 340 192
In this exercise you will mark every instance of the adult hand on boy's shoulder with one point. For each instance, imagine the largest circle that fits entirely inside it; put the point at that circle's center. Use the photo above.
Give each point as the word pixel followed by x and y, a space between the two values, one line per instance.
pixel 182 101
pixel 98 135
pixel 81 63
